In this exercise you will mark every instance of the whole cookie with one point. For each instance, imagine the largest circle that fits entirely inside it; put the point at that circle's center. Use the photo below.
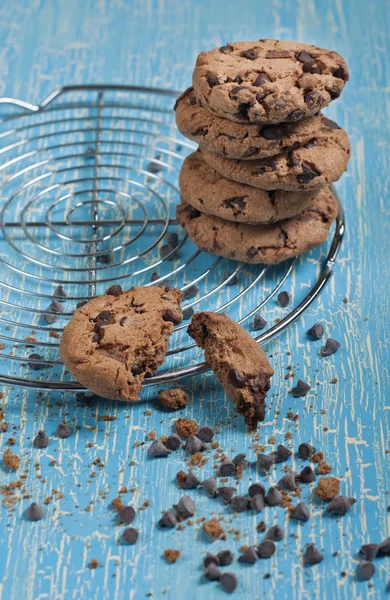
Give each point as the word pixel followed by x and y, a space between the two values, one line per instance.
pixel 211 193
pixel 239 140
pixel 237 360
pixel 114 341
pixel 316 164
pixel 268 81
pixel 268 244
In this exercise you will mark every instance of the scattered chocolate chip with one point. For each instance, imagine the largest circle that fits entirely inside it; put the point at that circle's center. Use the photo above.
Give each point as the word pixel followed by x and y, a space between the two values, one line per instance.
pixel 316 331
pixel 240 461
pixel 273 497
pixel 172 316
pixel 186 506
pixel 126 514
pixel 249 556
pixel 36 366
pixel 63 430
pixel 104 259
pixel 266 549
pixel 340 505
pixel 237 379
pixel 265 462
pixel 205 433
pixel 256 502
pixel 366 570
pixel 59 292
pixel 168 520
pixel 300 512
pixel 239 504
pixel 190 292
pixel 331 346
pixel 55 308
pixel 225 557
pixel 275 533
pixel 130 535
pixel 191 482
pixel 259 322
pixel 307 475
pixel 35 512
pixel 232 281
pixel 229 582
pixel 369 551
pixel 41 440
pixel 157 449
pixel 261 79
pixel 256 489
pixel 312 555
pixel 187 312
pixel 226 493
pixel 227 469
pixel 194 444
pixel 173 442
pixel 210 559
pixel 210 485
pixel 167 251
pixel 305 450
pixel 288 481
pixel 114 290
pixel 282 453
pixel 212 573
pixel 301 389
pixel 172 239
pixel 250 54
pixel 384 547
pixel 284 299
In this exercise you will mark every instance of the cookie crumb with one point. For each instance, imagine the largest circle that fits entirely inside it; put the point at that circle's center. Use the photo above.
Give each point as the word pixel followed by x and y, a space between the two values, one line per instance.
pixel 173 399
pixel 93 563
pixel 11 460
pixel 323 468
pixel 213 528
pixel 327 488
pixel 186 427
pixel 317 457
pixel 171 555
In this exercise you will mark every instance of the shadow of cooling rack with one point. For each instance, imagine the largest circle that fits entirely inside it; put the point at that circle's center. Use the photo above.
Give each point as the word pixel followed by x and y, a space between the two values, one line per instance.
pixel 88 189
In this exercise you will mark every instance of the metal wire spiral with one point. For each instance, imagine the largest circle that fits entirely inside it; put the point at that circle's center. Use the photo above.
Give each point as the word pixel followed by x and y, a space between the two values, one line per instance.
pixel 88 189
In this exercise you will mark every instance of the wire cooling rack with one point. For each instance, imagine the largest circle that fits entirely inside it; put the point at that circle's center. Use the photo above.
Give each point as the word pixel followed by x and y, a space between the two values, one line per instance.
pixel 88 189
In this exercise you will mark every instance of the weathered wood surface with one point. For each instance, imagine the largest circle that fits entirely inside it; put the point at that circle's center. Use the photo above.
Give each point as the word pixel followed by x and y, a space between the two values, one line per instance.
pixel 45 44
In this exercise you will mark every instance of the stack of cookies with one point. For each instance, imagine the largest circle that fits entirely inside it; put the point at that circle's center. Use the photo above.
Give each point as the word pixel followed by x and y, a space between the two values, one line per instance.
pixel 257 188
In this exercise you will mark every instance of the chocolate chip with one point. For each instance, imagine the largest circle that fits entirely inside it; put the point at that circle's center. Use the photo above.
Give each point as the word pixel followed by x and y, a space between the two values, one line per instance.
pixel 252 252
pixel 366 570
pixel 259 323
pixel 187 312
pixel 256 489
pixel 295 115
pixel 341 73
pixel 59 292
pixel 249 556
pixel 284 299
pixel 232 281
pixel 225 557
pixel 35 512
pixel 210 485
pixel 312 556
pixel 212 573
pixel 130 535
pixel 55 308
pixel 186 506
pixel 250 152
pixel 340 505
pixel 316 331
pixel 41 440
pixel 300 512
pixel 237 379
pixel 105 318
pixel 126 514
pixel 172 239
pixel 205 433
pixel 157 449
pixel 331 346
pixel 273 497
pixel 301 389
pixel 210 559
pixel 305 450
pixel 167 251
pixel 237 204
pixel 154 167
pixel 309 172
pixel 384 547
pixel 36 366
pixel 250 54
pixel 190 292
pixel 275 533
pixel 307 475
pixel 240 461
pixel 81 303
pixel 282 453
pixel 228 582
pixel 288 481
pixel 63 430
pixel 272 133
pixel 114 290
pixel 212 80
pixel 266 549
pixel 265 462
pixel 329 123
pixel 173 442
pixel 227 49
pixel 136 370
pixel 104 259
pixel 167 520
pixel 226 493
pixel 369 551
pixel 227 469
pixel 194 444
pixel 257 502
pixel 191 482
pixel 306 58
pixel 239 504
pixel 334 92
pixel 261 79
pixel 278 54
pixel 236 90
pixel 313 99
pixel 172 316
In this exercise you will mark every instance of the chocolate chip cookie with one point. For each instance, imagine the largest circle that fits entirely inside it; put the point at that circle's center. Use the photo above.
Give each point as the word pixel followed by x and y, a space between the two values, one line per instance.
pixel 268 244
pixel 207 190
pixel 246 141
pixel 268 81
pixel 319 162
pixel 238 362
pixel 116 340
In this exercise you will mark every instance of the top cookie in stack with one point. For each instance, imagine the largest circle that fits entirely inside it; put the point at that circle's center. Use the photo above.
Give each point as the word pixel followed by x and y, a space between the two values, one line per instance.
pixel 256 190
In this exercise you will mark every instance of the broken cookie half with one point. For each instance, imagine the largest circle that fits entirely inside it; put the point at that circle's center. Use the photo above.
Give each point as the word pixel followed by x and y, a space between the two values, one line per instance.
pixel 238 362
pixel 116 340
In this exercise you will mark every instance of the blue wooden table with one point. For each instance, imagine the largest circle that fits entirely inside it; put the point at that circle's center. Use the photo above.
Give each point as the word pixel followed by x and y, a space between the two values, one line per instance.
pixel 45 44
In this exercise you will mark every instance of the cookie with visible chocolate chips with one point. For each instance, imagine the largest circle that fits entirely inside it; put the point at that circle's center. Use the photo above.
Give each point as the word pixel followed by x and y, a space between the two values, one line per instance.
pixel 114 341
pixel 207 190
pixel 238 362
pixel 268 81
pixel 268 244
pixel 246 141
pixel 319 162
